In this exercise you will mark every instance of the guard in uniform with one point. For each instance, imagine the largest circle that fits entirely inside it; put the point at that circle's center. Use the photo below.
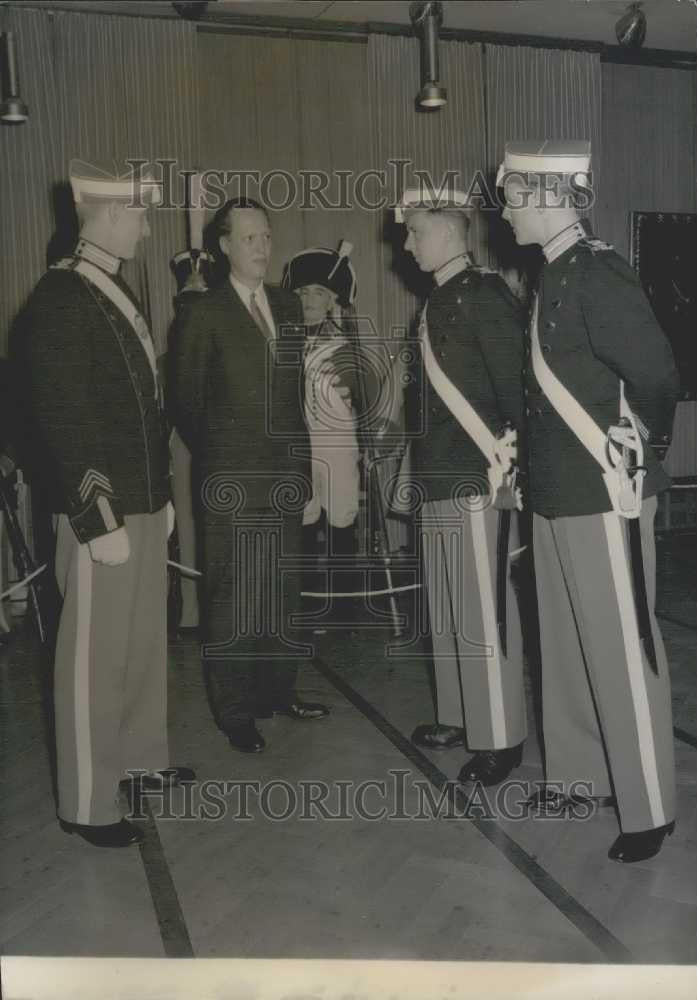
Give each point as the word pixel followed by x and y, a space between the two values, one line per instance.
pixel 96 400
pixel 471 341
pixel 601 389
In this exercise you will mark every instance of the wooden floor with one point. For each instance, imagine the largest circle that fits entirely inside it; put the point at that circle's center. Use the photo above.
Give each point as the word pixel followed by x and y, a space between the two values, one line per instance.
pixel 430 888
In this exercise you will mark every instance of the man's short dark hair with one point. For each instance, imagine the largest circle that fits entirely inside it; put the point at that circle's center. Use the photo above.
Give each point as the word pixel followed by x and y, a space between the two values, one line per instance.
pixel 222 221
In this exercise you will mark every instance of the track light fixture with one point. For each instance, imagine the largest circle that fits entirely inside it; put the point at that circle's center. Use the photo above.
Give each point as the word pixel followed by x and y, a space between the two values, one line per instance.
pixel 631 27
pixel 13 110
pixel 191 10
pixel 428 17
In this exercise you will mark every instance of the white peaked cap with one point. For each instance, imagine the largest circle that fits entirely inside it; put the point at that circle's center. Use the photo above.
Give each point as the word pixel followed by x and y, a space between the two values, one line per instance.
pixel 426 199
pixel 546 156
pixel 109 180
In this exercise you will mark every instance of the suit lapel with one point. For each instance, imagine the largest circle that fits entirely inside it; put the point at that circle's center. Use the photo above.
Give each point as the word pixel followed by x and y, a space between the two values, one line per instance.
pixel 287 324
pixel 276 309
pixel 242 316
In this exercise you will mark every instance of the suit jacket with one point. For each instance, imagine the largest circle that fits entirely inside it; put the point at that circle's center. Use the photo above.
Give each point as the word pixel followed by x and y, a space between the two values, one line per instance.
pixel 476 330
pixel 237 406
pixel 595 327
pixel 102 441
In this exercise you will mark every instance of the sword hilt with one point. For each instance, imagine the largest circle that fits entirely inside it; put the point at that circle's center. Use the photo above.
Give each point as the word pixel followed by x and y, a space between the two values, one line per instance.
pixel 625 456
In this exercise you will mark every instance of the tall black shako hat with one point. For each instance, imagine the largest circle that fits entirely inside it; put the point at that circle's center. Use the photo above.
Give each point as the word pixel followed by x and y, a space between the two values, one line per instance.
pixel 320 266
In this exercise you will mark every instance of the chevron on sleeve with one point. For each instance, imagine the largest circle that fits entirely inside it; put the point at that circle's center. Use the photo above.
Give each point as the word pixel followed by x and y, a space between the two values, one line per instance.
pixel 94 482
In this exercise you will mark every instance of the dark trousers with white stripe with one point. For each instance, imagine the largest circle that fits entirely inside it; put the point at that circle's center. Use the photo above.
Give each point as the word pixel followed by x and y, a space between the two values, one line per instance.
pixel 606 715
pixel 110 682
pixel 476 685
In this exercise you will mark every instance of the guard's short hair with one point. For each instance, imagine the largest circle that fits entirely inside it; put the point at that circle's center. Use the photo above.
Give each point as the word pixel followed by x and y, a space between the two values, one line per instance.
pixel 460 220
pixel 88 209
pixel 222 223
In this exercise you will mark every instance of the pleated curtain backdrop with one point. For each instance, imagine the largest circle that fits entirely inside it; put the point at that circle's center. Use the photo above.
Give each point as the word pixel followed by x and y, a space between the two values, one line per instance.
pixel 160 93
pixel 285 107
pixel 29 162
pixel 541 94
pixel 97 87
pixel 649 126
pixel 334 134
pixel 127 89
pixel 452 139
pixel 649 132
pixel 248 104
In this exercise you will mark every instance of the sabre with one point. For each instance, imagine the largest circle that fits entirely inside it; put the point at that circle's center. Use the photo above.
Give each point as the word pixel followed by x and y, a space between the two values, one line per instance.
pixel 380 540
pixel 630 471
pixel 20 551
pixel 21 583
pixel 186 570
pixel 507 497
pixel 361 593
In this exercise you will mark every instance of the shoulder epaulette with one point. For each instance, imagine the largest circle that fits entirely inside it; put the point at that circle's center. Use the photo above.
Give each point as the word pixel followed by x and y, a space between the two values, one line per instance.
pixel 480 269
pixel 595 245
pixel 65 264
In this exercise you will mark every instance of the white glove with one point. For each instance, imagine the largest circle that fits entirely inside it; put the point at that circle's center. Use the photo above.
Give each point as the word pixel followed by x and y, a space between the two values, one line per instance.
pixel 112 549
pixel 624 436
pixel 502 472
pixel 325 372
pixel 506 449
pixel 341 388
pixel 624 487
pixel 171 517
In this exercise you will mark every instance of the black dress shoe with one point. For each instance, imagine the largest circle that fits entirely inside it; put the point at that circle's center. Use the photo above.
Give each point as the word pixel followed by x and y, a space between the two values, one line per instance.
pixel 490 767
pixel 303 710
pixel 245 737
pixel 631 847
pixel 121 834
pixel 168 777
pixel 437 737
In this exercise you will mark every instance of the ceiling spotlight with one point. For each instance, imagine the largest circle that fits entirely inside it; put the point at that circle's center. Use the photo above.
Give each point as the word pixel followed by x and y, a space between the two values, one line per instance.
pixel 428 17
pixel 191 10
pixel 631 27
pixel 13 110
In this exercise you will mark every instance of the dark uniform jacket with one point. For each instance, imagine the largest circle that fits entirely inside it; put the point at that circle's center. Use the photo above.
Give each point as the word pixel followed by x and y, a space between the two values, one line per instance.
pixel 595 328
pixel 99 423
pixel 238 408
pixel 476 330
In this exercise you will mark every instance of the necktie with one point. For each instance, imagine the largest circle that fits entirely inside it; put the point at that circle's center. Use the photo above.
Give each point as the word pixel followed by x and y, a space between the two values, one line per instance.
pixel 258 317
pixel 423 324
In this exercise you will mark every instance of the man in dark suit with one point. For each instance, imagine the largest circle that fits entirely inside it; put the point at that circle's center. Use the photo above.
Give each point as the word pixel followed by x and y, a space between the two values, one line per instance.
pixel 601 389
pixel 471 343
pixel 238 365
